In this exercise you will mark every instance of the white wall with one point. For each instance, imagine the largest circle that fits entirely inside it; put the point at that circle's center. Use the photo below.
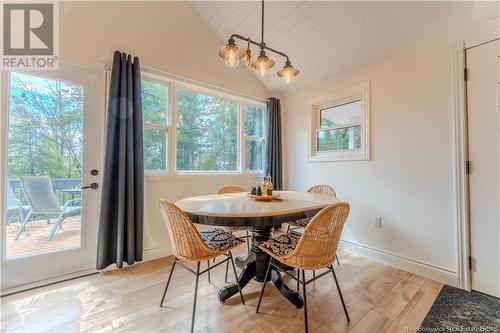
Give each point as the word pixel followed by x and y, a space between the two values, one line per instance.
pixel 166 36
pixel 409 180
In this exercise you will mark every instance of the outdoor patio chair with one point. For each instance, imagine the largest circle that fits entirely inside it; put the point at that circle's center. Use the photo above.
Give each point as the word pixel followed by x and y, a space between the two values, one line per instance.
pixel 14 206
pixel 42 201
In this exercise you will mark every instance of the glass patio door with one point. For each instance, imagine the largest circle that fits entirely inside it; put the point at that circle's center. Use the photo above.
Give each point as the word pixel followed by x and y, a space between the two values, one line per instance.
pixel 51 125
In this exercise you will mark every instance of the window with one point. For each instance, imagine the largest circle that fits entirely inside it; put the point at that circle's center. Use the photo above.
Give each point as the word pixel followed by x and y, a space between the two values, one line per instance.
pixel 155 115
pixel 253 130
pixel 207 132
pixel 45 140
pixel 340 124
pixel 196 129
pixel 340 127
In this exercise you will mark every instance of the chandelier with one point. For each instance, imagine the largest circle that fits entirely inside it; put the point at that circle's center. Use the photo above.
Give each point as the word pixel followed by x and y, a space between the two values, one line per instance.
pixel 232 53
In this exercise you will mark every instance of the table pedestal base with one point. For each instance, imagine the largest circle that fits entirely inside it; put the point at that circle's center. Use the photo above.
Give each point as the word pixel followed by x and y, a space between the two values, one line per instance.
pixel 255 266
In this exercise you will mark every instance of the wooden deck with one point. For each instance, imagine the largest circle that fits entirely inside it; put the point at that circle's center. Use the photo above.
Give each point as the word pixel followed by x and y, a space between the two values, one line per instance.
pixel 379 298
pixel 35 239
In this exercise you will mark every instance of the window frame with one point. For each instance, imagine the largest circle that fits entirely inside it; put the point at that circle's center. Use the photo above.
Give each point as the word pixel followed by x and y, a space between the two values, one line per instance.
pixel 247 138
pixel 167 127
pixel 360 92
pixel 174 83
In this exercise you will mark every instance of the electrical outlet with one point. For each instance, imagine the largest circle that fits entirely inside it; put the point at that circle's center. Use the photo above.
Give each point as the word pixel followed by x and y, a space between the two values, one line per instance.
pixel 377 222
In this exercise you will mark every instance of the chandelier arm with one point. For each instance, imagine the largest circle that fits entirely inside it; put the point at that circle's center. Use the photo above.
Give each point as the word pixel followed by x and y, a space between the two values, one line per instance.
pixel 260 45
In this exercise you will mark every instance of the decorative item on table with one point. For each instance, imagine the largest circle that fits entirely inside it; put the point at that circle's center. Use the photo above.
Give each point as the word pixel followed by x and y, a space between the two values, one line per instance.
pixel 267 186
pixel 264 192
pixel 253 191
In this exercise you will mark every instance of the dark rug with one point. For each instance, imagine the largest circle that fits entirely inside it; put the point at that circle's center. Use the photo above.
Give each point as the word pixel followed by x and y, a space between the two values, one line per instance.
pixel 457 310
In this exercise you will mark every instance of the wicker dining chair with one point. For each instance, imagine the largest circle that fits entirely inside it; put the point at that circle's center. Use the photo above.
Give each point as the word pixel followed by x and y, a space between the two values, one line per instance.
pixel 298 224
pixel 227 189
pixel 314 249
pixel 317 189
pixel 190 245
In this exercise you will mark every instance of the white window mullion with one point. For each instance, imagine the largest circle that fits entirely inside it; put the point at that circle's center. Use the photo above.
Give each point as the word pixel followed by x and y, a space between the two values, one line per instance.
pixel 173 129
pixel 241 141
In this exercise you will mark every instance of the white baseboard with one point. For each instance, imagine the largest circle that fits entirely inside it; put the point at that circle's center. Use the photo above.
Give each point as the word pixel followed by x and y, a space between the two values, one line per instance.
pixel 156 253
pixel 426 270
pixel 148 255
pixel 47 282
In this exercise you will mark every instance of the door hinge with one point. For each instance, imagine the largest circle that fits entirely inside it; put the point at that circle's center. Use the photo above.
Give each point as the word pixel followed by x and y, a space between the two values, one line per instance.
pixel 466 74
pixel 470 262
pixel 467 167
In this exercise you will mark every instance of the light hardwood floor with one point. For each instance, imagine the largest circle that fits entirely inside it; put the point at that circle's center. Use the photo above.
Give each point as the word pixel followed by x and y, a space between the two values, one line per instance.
pixel 379 299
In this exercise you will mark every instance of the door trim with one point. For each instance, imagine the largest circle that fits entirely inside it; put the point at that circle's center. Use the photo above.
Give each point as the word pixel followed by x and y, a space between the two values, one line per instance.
pixel 95 77
pixel 460 157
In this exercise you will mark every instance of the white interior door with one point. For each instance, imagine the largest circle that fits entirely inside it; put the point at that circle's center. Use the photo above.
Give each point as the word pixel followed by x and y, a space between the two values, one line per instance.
pixel 51 126
pixel 483 89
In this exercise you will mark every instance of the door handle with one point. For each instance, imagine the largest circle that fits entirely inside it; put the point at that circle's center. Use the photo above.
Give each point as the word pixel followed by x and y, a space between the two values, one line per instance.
pixel 92 186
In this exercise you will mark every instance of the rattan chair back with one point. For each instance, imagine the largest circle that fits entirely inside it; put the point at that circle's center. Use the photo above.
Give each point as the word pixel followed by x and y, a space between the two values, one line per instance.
pixel 230 189
pixel 187 243
pixel 318 244
pixel 323 189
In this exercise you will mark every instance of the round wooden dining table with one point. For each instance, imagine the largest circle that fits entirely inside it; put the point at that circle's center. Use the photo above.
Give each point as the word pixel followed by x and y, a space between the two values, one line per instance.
pixel 237 209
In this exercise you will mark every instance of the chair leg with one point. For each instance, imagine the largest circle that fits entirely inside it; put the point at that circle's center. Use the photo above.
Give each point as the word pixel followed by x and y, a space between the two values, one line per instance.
pixel 195 295
pixel 298 280
pixel 314 273
pixel 236 277
pixel 248 242
pixel 227 270
pixel 168 282
pixel 54 228
pixel 306 327
pixel 340 294
pixel 264 285
pixel 208 271
pixel 288 229
pixel 23 225
pixel 337 257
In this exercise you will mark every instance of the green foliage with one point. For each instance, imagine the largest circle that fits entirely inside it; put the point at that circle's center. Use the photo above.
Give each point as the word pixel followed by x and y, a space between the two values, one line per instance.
pixel 155 149
pixel 253 125
pixel 154 102
pixel 45 128
pixel 206 132
pixel 338 139
pixel 254 158
pixel 155 111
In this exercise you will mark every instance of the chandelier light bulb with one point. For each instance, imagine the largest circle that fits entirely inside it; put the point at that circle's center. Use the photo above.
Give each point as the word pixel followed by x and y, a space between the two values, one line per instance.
pixel 288 73
pixel 262 65
pixel 231 55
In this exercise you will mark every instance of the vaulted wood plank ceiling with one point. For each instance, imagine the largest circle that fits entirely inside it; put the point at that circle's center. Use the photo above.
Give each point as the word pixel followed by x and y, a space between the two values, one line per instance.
pixel 326 37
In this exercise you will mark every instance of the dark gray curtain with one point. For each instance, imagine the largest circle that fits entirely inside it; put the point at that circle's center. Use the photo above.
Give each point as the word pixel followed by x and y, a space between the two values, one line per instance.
pixel 274 166
pixel 122 199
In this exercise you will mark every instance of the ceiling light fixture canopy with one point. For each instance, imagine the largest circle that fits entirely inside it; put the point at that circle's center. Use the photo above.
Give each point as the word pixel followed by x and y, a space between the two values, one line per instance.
pixel 232 53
